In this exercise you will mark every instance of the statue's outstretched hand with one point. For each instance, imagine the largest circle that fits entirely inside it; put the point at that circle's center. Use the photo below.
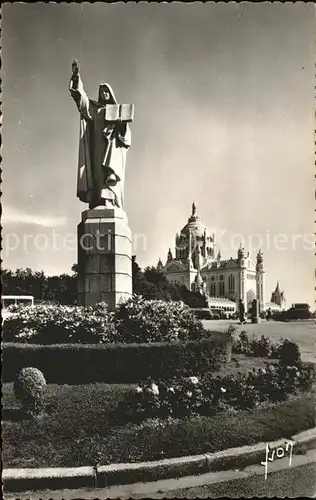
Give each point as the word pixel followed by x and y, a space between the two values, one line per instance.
pixel 75 68
pixel 73 86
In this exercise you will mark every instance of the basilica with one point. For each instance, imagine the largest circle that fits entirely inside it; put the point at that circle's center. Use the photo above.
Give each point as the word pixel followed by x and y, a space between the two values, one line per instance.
pixel 198 265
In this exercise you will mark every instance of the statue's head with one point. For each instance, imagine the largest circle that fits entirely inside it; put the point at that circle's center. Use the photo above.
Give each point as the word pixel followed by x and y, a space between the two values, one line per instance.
pixel 106 94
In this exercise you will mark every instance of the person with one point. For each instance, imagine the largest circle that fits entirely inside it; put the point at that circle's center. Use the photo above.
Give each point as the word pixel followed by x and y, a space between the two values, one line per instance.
pixel 241 312
pixel 102 149
pixel 269 314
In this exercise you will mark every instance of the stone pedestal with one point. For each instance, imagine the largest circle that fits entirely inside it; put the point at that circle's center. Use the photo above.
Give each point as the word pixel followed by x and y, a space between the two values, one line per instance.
pixel 104 257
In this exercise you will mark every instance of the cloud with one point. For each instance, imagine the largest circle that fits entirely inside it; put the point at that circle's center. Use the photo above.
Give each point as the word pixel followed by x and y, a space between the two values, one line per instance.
pixel 14 216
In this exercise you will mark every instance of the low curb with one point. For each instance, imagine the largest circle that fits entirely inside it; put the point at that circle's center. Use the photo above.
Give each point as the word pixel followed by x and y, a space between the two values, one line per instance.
pixel 118 474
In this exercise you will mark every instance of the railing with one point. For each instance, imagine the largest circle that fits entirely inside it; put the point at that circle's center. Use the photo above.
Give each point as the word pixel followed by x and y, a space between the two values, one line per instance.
pixel 7 300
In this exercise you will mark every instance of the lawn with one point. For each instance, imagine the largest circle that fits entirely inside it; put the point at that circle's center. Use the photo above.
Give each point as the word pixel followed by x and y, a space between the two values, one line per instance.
pixel 81 423
pixel 300 332
pixel 242 363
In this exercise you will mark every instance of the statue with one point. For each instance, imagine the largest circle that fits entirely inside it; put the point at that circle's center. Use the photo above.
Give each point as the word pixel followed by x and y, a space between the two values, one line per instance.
pixel 104 141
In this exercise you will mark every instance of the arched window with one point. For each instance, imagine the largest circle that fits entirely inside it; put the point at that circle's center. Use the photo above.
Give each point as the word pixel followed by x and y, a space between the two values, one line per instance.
pixel 231 284
pixel 221 286
pixel 213 287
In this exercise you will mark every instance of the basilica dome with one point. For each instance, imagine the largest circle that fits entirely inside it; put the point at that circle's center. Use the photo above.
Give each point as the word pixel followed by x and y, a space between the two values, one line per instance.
pixel 194 236
pixel 193 226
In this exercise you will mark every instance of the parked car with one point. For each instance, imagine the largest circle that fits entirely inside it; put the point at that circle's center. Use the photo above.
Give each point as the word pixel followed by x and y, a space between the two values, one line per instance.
pixel 220 314
pixel 202 313
pixel 292 314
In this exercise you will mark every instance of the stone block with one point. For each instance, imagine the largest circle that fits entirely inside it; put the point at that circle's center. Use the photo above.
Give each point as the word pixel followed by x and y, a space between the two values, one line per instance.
pixel 92 298
pixel 123 283
pixel 83 284
pixel 81 299
pixel 109 298
pixel 118 227
pixel 105 282
pixel 122 245
pixel 123 264
pixel 94 282
pixel 107 263
pixel 104 213
pixel 92 264
pixel 105 243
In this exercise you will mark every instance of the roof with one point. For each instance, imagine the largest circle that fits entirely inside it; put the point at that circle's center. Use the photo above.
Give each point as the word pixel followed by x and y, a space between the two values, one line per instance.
pixel 222 301
pixel 223 264
pixel 194 225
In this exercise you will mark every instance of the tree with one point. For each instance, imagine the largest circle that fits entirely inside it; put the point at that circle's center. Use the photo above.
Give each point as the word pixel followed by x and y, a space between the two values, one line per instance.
pixel 61 289
pixel 150 283
pixel 75 268
pixel 153 284
pixel 24 282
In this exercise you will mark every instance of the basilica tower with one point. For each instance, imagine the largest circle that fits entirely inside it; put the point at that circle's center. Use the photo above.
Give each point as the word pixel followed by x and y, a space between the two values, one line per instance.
pixel 260 280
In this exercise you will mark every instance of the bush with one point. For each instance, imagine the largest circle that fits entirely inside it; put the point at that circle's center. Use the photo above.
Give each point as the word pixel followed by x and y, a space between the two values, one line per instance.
pixel 53 324
pixel 176 398
pixel 285 350
pixel 187 396
pixel 137 320
pixel 140 320
pixel 114 363
pixel 289 353
pixel 29 389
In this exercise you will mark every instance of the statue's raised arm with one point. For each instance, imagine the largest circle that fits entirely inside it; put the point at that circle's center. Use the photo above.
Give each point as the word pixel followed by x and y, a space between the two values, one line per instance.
pixel 77 91
pixel 75 75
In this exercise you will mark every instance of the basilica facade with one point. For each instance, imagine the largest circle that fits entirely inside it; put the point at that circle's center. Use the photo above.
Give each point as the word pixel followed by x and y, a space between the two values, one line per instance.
pixel 198 264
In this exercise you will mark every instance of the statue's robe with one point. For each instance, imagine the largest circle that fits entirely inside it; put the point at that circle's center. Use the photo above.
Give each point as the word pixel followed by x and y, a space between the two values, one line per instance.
pixel 102 149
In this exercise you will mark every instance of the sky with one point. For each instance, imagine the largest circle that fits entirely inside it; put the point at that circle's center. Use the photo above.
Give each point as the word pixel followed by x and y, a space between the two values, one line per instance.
pixel 223 97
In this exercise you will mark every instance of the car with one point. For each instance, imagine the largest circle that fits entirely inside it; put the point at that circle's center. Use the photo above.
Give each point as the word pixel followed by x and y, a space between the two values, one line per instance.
pixel 295 313
pixel 219 314
pixel 202 313
pixel 292 314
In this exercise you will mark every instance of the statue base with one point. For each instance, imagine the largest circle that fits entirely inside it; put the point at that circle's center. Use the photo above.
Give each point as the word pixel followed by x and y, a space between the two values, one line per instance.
pixel 104 257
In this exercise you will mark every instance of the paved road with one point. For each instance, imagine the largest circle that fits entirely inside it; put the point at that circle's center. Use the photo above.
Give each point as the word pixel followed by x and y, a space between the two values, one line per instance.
pixel 302 332
pixel 294 483
pixel 282 481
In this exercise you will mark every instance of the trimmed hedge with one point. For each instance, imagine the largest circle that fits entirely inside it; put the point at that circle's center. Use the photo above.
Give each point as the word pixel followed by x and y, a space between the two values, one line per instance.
pixel 115 363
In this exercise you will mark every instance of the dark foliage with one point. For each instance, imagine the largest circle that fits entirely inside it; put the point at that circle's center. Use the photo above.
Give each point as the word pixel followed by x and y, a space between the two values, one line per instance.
pixel 83 364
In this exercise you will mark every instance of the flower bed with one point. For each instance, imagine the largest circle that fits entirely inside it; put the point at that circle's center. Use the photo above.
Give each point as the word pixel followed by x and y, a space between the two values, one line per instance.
pixel 186 396
pixel 81 426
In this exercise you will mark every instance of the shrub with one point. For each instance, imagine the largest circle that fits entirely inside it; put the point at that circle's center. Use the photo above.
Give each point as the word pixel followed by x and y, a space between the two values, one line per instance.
pixel 137 320
pixel 140 320
pixel 114 363
pixel 60 324
pixel 29 389
pixel 261 347
pixel 176 398
pixel 289 353
pixel 241 344
pixel 285 350
pixel 186 396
